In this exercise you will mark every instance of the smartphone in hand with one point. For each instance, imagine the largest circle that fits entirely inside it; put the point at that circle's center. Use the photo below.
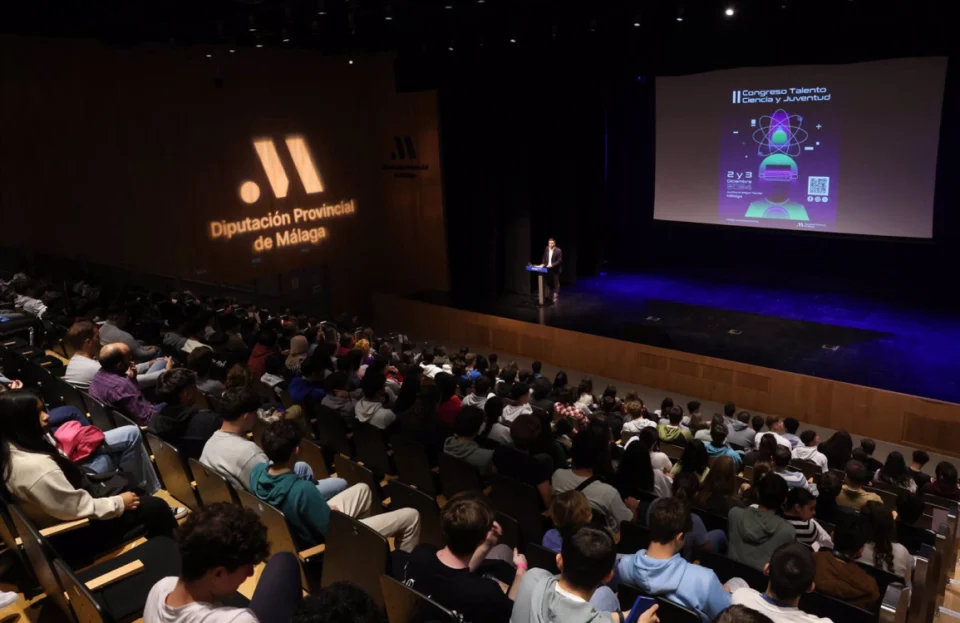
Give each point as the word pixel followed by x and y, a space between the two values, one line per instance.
pixel 641 605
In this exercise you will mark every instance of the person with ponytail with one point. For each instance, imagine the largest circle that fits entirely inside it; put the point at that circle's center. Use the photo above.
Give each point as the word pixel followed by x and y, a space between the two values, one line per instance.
pixel 51 489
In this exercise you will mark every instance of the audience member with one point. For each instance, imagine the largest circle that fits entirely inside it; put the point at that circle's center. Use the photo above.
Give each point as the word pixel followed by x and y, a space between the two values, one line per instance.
pixel 462 444
pixel 685 487
pixel 308 386
pixel 589 453
pixel 659 460
pixel 481 393
pixel 807 450
pixel 636 476
pixel 694 460
pixel 661 570
pixel 793 478
pixel 894 472
pixel 370 409
pixel 516 403
pixel 304 505
pixel 715 446
pixel 266 345
pixel 586 561
pixel 920 459
pixel 837 572
pixel 852 495
pixel 799 511
pixel 718 493
pixel 83 340
pixel 882 549
pixel 755 533
pixel 540 396
pixel 869 446
pixel 838 449
pixel 341 602
pixel 776 428
pixel 297 353
pixel 743 430
pixel 450 403
pixel 791 571
pixel 791 425
pixel 945 483
pixel 519 463
pixel 336 397
pixel 113 385
pixel 566 407
pixel 828 491
pixel 672 431
pixel 179 422
pixel 743 614
pixel 111 332
pixel 219 547
pixel 568 511
pixel 636 419
pixel 909 511
pixel 51 489
pixel 463 576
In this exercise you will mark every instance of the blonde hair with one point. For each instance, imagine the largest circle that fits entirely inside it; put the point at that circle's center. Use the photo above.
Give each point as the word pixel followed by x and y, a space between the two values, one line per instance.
pixel 634 409
pixel 364 345
pixel 570 508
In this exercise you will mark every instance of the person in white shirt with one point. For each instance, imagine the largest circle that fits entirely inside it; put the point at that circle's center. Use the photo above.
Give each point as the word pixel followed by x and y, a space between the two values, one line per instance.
pixel 219 547
pixel 84 339
pixel 807 450
pixel 776 428
pixel 791 570
pixel 429 370
pixel 881 550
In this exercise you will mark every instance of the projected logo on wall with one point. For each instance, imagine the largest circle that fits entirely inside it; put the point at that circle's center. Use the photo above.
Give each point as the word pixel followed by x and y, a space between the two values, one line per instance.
pixel 404 162
pixel 307 172
pixel 779 166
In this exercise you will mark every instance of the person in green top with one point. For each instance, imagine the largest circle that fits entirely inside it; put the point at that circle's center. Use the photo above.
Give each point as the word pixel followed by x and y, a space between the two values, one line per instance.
pixel 305 508
pixel 674 430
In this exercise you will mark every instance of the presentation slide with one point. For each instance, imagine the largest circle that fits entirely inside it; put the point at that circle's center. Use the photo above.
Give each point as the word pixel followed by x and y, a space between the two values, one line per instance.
pixel 846 149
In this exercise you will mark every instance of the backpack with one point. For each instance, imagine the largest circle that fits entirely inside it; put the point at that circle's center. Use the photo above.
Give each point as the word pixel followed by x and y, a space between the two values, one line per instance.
pixel 78 442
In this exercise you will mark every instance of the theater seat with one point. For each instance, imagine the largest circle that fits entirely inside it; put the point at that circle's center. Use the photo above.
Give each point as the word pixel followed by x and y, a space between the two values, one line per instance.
pixel 355 553
pixel 458 476
pixel 405 605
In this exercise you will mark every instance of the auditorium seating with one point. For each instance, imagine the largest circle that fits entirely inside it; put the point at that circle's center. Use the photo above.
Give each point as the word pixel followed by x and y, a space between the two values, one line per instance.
pixel 405 605
pixel 173 471
pixel 349 541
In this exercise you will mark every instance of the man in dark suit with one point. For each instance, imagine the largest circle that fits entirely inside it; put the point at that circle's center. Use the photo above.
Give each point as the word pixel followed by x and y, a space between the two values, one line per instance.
pixel 553 261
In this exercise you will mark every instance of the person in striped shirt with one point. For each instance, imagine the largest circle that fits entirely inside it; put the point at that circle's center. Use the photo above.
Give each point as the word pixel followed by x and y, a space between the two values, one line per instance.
pixel 799 510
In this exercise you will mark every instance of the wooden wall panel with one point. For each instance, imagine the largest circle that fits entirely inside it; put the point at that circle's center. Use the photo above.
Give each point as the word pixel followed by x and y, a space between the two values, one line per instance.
pixel 893 417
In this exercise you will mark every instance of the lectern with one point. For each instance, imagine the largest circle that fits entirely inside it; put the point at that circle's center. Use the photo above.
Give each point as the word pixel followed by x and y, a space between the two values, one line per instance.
pixel 541 271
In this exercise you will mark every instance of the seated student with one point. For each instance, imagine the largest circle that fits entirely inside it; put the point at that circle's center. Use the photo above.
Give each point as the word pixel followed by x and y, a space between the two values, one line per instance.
pixel 881 549
pixel 829 489
pixel 274 371
pixel 776 428
pixel 337 397
pixel 716 447
pixel 755 533
pixel 219 546
pixel 636 419
pixel 673 431
pixel 463 576
pixel 586 561
pixel 462 444
pixel 945 483
pixel 636 476
pixel 540 398
pixel 233 456
pixel 808 451
pixel 114 387
pixel 111 332
pixel 305 508
pixel 869 446
pixel 718 493
pixel 519 463
pixel 791 570
pixel 799 510
pixel 516 403
pixel 837 572
pixel 308 386
pixel 894 472
pixel 481 393
pixel 200 360
pixel 920 458
pixel 852 495
pixel 660 461
pixel 49 487
pixel 370 408
pixel 685 487
pixel 781 462
pixel 743 614
pixel 589 450
pixel 179 422
pixel 341 602
pixel 694 459
pixel 791 425
pixel 660 569
pixel 568 511
pixel 743 431
pixel 909 511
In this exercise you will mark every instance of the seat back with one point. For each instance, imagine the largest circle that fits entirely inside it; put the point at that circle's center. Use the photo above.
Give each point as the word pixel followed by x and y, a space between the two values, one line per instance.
pixel 211 486
pixel 633 538
pixel 40 556
pixel 69 395
pixel 727 568
pixel 356 474
pixel 670 612
pixel 671 450
pixel 884 578
pixel 403 495
pixel 712 521
pixel 312 455
pixel 413 466
pixel 12 363
pixel 457 476
pixel 511 530
pixel 540 557
pixel 521 501
pixel 173 471
pixel 332 431
pixel 405 605
pixel 258 427
pixel 99 415
pixel 278 531
pixel 371 448
pixel 355 553
pixel 8 533
pixel 82 601
pixel 914 537
pixel 818 604
pixel 809 469
pixel 889 498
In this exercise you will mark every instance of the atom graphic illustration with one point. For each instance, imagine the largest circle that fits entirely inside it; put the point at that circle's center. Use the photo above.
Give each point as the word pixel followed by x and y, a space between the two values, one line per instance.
pixel 779 133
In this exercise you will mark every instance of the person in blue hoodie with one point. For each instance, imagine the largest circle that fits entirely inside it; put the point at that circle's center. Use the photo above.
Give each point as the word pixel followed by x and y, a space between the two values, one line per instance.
pixel 305 508
pixel 309 385
pixel 716 447
pixel 661 570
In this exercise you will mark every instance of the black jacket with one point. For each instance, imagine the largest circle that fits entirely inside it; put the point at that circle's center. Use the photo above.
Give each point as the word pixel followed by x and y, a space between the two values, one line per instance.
pixel 557 264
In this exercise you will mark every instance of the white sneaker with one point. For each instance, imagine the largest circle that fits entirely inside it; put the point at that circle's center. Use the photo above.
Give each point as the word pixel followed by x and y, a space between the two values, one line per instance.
pixel 180 512
pixel 8 599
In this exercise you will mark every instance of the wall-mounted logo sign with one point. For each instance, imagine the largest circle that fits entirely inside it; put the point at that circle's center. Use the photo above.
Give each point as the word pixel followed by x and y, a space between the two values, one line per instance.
pixel 309 176
pixel 404 162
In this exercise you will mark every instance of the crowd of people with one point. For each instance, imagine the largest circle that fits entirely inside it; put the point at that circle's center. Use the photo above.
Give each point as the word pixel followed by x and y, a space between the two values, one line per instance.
pixel 202 374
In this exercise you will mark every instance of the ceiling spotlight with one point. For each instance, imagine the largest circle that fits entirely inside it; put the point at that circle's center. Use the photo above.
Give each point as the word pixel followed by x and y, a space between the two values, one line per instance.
pixel 680 14
pixel 209 55
pixel 448 7
pixel 512 40
pixel 286 39
pixel 232 50
pixel 252 26
pixel 729 12
pixel 285 36
pixel 259 45
pixel 350 62
pixel 450 48
pixel 321 7
pixel 481 1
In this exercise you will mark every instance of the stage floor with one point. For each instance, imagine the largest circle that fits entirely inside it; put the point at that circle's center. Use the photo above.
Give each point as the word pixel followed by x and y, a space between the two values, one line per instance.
pixel 828 335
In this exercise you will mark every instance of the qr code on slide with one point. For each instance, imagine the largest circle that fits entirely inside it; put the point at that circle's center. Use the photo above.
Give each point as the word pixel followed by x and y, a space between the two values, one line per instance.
pixel 819 186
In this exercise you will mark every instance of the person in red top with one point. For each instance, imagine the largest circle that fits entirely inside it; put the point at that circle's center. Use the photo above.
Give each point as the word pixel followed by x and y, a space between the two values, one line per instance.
pixel 449 401
pixel 266 346
pixel 346 344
